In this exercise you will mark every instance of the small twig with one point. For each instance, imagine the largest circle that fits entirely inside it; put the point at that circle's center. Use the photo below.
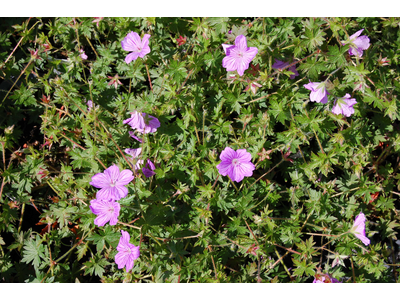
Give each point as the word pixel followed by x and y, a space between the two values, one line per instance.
pixel 267 173
pixel 212 259
pixel 183 84
pixel 148 75
pixel 352 268
pixel 252 233
pixel 119 222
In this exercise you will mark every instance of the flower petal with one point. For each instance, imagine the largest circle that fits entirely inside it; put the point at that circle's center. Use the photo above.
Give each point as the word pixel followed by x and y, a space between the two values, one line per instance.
pixel 100 180
pixel 125 177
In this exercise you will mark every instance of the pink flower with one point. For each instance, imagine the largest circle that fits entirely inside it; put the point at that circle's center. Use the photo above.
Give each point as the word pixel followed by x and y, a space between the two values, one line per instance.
pixel 236 164
pixel 318 92
pixel 112 183
pixel 324 278
pixel 281 65
pixel 142 122
pixel 148 169
pixel 106 211
pixel 238 56
pixel 83 55
pixel 344 106
pixel 139 48
pixel 127 252
pixel 358 43
pixel 358 229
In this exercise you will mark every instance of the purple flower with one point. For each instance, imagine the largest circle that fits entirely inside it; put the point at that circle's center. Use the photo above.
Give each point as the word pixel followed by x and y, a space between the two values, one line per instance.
pixel 236 164
pixel 138 47
pixel 106 211
pixel 148 169
pixel 318 92
pixel 344 106
pixel 127 252
pixel 358 43
pixel 142 122
pixel 132 135
pixel 358 229
pixel 83 55
pixel 112 183
pixel 324 278
pixel 238 56
pixel 281 65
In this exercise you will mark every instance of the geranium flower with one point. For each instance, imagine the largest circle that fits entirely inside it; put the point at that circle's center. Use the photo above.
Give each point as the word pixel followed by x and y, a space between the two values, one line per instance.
pixel 142 122
pixel 318 92
pixel 344 106
pixel 238 56
pixel 324 278
pixel 281 65
pixel 148 169
pixel 358 43
pixel 106 211
pixel 358 229
pixel 127 252
pixel 139 48
pixel 83 55
pixel 112 183
pixel 236 164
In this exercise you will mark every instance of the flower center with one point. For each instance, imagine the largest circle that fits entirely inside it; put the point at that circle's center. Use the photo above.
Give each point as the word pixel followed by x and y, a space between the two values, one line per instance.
pixel 235 161
pixel 112 184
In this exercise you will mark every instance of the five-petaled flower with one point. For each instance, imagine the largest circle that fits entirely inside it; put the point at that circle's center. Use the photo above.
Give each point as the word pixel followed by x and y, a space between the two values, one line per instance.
pixel 238 56
pixel 344 106
pixel 236 164
pixel 358 229
pixel 139 48
pixel 358 43
pixel 280 65
pixel 112 183
pixel 181 40
pixel 142 122
pixel 106 211
pixel 127 252
pixel 318 92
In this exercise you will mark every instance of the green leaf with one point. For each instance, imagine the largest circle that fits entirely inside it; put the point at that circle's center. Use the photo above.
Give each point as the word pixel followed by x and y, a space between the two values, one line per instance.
pixel 33 252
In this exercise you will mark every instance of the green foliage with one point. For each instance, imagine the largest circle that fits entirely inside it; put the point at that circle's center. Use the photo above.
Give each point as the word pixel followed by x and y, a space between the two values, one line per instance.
pixel 315 171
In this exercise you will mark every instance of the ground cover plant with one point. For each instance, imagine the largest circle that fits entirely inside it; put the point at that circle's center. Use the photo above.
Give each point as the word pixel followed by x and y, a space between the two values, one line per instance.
pixel 199 149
